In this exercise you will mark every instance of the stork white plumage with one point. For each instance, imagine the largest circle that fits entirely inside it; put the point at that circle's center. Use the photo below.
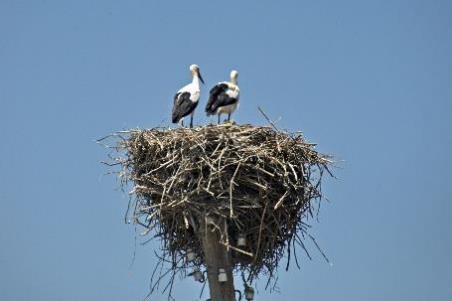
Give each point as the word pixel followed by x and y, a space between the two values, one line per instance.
pixel 224 97
pixel 186 99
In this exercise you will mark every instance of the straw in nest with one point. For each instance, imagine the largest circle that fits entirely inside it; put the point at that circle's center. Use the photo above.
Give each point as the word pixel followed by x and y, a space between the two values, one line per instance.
pixel 248 181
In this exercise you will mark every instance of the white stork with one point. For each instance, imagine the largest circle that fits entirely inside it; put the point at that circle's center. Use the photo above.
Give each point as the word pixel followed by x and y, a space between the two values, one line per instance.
pixel 224 97
pixel 186 99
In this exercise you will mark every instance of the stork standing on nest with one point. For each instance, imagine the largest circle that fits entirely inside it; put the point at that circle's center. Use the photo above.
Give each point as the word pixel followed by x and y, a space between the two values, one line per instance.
pixel 186 99
pixel 224 97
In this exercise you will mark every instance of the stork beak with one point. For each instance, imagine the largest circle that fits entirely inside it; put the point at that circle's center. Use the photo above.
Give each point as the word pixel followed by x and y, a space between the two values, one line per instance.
pixel 200 77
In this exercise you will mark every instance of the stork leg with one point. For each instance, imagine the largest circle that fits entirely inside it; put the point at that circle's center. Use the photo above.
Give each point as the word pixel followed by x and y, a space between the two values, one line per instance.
pixel 191 121
pixel 182 122
pixel 229 117
pixel 219 116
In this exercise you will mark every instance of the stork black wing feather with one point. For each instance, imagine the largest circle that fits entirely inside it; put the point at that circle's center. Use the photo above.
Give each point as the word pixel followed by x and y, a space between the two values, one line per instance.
pixel 217 93
pixel 183 106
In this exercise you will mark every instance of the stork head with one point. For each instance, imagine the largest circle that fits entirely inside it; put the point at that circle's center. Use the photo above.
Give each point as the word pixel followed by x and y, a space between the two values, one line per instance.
pixel 234 76
pixel 195 72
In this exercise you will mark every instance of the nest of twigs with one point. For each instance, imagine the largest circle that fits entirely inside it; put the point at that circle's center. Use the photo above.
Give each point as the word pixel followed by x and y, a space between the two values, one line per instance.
pixel 249 181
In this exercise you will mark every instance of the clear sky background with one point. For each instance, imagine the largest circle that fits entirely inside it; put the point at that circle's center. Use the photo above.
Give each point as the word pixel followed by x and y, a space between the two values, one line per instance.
pixel 369 81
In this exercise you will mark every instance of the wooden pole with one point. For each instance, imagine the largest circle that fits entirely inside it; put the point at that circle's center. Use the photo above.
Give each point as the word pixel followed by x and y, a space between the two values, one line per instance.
pixel 217 257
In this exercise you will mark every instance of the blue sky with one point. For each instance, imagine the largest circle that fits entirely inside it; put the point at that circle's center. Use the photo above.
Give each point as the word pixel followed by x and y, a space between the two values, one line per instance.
pixel 369 81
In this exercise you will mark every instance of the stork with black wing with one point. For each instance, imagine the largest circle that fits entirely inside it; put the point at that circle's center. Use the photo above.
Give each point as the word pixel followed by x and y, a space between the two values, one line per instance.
pixel 224 97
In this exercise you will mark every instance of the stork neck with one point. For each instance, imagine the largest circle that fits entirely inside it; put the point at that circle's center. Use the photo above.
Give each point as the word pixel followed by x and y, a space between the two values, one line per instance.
pixel 196 80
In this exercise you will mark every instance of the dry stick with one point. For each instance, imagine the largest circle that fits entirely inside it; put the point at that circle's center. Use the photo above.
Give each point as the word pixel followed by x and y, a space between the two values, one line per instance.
pixel 300 242
pixel 231 184
pixel 237 249
pixel 320 250
pixel 260 232
pixel 268 119
pixel 226 234
pixel 281 200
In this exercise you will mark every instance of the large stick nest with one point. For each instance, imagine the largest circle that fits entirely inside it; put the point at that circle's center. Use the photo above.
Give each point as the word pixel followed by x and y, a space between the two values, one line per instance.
pixel 246 180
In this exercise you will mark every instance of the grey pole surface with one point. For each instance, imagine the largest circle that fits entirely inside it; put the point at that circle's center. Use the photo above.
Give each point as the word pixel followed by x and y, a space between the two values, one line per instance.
pixel 217 256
